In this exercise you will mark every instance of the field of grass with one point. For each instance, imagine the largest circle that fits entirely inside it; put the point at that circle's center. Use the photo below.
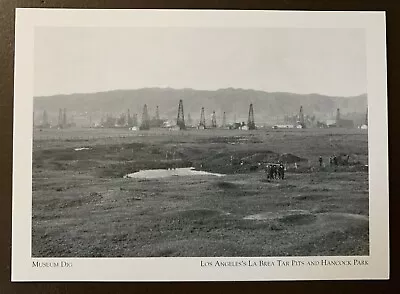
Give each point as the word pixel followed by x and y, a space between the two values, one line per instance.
pixel 84 207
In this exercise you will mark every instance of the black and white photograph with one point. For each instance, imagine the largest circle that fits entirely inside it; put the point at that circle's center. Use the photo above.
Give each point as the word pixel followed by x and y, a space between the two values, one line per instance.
pixel 200 141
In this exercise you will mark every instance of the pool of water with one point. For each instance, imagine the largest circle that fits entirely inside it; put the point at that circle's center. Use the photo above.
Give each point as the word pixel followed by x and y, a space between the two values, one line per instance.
pixel 163 173
pixel 82 148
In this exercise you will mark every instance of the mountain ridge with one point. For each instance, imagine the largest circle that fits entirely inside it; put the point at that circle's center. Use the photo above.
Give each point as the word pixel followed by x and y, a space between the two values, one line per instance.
pixel 268 106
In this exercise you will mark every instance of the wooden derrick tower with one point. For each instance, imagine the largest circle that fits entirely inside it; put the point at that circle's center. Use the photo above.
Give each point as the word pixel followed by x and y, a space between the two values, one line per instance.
pixel 250 122
pixel 301 117
pixel 189 120
pixel 180 121
pixel 60 119
pixel 202 123
pixel 64 120
pixel 213 120
pixel 338 117
pixel 45 119
pixel 224 120
pixel 145 125
pixel 157 114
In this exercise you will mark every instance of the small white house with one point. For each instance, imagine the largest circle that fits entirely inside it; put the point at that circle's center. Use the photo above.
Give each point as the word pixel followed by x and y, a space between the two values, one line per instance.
pixel 283 127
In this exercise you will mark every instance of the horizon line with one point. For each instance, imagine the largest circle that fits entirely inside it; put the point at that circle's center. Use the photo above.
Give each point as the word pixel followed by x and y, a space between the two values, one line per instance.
pixel 206 90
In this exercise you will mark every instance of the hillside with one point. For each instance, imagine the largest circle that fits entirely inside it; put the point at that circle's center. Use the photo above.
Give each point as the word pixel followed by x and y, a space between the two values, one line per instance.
pixel 267 106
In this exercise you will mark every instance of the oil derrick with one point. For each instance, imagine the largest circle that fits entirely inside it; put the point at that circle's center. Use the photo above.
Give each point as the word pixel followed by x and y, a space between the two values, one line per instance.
pixel 202 123
pixel 301 117
pixel 224 120
pixel 180 121
pixel 213 120
pixel 64 120
pixel 121 121
pixel 155 121
pixel 45 119
pixel 60 119
pixel 338 117
pixel 129 120
pixel 250 122
pixel 157 117
pixel 145 119
pixel 134 120
pixel 189 120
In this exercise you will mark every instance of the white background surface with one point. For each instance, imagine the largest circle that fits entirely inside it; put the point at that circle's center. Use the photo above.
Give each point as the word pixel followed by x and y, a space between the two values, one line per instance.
pixel 189 269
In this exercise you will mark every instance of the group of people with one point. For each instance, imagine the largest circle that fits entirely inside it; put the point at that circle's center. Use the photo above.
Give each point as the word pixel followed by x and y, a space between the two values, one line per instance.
pixel 334 160
pixel 275 171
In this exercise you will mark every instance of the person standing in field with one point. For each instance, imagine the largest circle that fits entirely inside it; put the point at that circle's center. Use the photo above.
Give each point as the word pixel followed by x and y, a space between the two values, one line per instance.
pixel 335 160
pixel 268 171
pixel 282 171
pixel 271 171
pixel 320 161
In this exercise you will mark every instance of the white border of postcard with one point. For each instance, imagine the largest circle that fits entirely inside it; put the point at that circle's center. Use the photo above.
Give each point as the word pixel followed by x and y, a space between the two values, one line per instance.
pixel 374 266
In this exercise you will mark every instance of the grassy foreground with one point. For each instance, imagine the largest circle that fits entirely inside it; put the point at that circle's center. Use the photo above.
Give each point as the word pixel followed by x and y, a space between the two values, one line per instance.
pixel 83 207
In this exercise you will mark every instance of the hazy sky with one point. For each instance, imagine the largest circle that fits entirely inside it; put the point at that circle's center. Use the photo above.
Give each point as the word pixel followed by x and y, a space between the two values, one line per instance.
pixel 81 60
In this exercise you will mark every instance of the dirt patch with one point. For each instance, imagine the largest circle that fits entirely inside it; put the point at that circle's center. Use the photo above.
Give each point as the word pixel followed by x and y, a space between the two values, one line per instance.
pixel 290 158
pixel 343 215
pixel 287 217
pixel 309 197
pixel 298 219
pixel 226 185
pixel 196 213
pixel 231 140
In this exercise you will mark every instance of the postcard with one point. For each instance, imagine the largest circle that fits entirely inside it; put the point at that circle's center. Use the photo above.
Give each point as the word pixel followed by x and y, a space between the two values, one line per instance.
pixel 200 145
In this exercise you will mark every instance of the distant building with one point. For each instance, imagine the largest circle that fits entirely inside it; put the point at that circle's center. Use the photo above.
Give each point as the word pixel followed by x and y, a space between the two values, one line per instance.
pixel 345 123
pixel 283 127
pixel 331 123
pixel 235 126
pixel 168 124
pixel 174 128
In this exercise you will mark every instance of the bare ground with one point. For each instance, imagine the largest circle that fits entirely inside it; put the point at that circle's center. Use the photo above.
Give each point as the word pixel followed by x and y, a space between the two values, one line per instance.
pixel 83 207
